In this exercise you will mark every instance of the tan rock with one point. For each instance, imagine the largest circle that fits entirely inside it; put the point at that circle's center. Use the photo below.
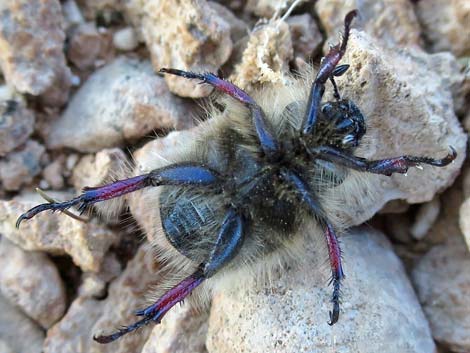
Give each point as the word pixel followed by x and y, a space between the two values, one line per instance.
pixel 56 233
pixel 464 221
pixel 94 284
pixel 17 124
pixel 19 332
pixel 32 40
pixel 442 281
pixel 394 23
pixel 187 35
pixel 267 8
pixel 31 281
pixel 20 166
pixel 119 103
pixel 85 45
pixel 306 36
pixel 53 174
pixel 446 25
pixel 291 313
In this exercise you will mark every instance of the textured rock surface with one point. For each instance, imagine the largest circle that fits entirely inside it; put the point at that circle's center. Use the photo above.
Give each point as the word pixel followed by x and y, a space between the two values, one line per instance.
pixel 88 317
pixel 442 280
pixel 19 333
pixel 291 315
pixel 392 22
pixel 188 35
pixel 446 25
pixel 31 281
pixel 119 103
pixel 306 36
pixel 267 8
pixel 464 221
pixel 20 166
pixel 16 124
pixel 32 40
pixel 85 45
pixel 56 233
pixel 183 330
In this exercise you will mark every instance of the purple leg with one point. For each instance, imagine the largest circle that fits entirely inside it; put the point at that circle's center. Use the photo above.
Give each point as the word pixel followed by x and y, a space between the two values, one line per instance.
pixel 178 174
pixel 263 128
pixel 327 70
pixel 381 166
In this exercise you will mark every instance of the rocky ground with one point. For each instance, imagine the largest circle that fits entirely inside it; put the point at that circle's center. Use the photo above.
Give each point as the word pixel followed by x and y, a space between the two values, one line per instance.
pixel 81 100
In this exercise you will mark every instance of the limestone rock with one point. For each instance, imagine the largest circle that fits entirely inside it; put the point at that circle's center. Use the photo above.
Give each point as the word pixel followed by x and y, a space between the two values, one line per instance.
pixel 291 314
pixel 125 39
pixel 306 36
pixel 20 166
pixel 446 25
pixel 56 233
pixel 121 102
pixel 88 317
pixel 183 330
pixel 31 281
pixel 394 23
pixel 19 332
pixel 187 35
pixel 32 57
pixel 16 125
pixel 267 8
pixel 442 281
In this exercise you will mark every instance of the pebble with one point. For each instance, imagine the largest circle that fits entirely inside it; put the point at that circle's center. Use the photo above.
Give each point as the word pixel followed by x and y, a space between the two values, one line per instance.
pixel 125 39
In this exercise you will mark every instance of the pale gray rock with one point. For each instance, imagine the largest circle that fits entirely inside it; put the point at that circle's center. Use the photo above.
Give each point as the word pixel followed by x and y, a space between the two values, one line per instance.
pixel 187 35
pixel 394 23
pixel 464 221
pixel 426 216
pixel 31 281
pixel 5 347
pixel 446 25
pixel 16 124
pixel 442 280
pixel 53 173
pixel 183 330
pixel 19 332
pixel 119 103
pixel 20 166
pixel 125 39
pixel 56 233
pixel 380 311
pixel 32 57
pixel 306 36
pixel 267 8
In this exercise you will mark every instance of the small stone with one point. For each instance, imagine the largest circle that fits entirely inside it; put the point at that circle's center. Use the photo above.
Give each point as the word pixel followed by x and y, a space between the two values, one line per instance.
pixel 119 103
pixel 16 124
pixel 306 36
pixel 183 330
pixel 89 317
pixel 20 332
pixel 446 25
pixel 265 60
pixel 125 39
pixel 425 218
pixel 238 28
pixel 393 23
pixel 464 221
pixel 85 46
pixel 31 281
pixel 187 35
pixel 56 233
pixel 20 166
pixel 53 174
pixel 267 8
pixel 94 284
pixel 32 57
pixel 291 313
pixel 72 14
pixel 442 281
pixel 5 348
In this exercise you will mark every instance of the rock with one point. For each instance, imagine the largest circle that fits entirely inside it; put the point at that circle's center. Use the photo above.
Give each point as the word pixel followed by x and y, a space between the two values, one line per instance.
pixel 20 166
pixel 88 317
pixel 290 315
pixel 186 35
pixel 32 57
pixel 19 332
pixel 464 221
pixel 5 348
pixel 238 28
pixel 266 57
pixel 393 23
pixel 85 46
pixel 119 103
pixel 425 218
pixel 267 8
pixel 125 39
pixel 53 174
pixel 16 124
pixel 306 36
pixel 445 25
pixel 31 281
pixel 442 281
pixel 72 14
pixel 183 330
pixel 94 284
pixel 56 233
